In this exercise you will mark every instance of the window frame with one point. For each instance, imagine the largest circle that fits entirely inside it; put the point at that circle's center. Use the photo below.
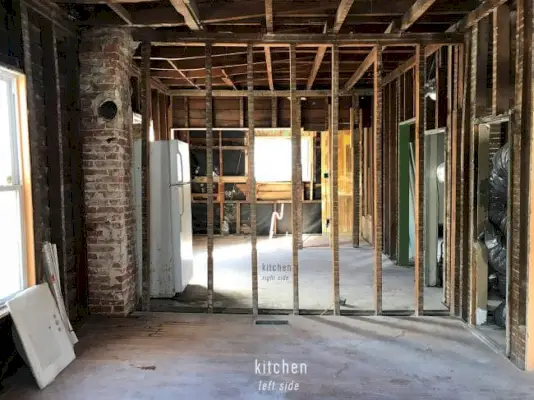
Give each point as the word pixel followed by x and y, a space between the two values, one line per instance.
pixel 21 174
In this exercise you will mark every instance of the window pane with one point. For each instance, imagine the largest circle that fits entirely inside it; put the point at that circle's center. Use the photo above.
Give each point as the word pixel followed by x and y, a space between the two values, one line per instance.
pixel 11 271
pixel 6 134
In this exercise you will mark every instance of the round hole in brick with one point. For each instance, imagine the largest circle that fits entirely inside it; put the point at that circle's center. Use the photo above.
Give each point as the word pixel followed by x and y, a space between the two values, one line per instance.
pixel 108 110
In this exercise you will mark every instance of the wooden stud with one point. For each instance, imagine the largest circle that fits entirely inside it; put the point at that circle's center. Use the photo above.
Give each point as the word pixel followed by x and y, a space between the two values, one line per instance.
pixel 252 178
pixel 55 156
pixel 501 61
pixel 377 180
pixel 221 183
pixel 186 111
pixel 355 126
pixel 155 114
pixel 334 206
pixel 481 58
pixel 448 282
pixel 296 179
pixel 274 112
pixel 146 111
pixel 35 151
pixel 419 179
pixel 209 174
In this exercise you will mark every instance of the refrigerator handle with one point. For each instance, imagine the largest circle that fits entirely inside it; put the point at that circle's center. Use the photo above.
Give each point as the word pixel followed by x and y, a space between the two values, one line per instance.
pixel 181 167
pixel 181 205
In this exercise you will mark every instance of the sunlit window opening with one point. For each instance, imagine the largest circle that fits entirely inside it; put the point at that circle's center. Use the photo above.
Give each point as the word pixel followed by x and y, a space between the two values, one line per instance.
pixel 272 162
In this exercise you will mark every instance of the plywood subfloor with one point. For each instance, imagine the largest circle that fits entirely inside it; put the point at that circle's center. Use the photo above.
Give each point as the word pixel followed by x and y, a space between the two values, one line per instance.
pixel 175 356
pixel 233 276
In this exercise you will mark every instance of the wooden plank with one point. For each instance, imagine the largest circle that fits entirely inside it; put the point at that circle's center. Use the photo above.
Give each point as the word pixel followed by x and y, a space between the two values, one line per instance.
pixel 264 93
pixel 399 115
pixel 183 74
pixel 189 10
pixel 355 126
pixel 120 11
pixel 251 178
pixel 419 179
pixel 362 69
pixel 155 114
pixel 226 79
pixel 501 86
pixel 209 174
pixel 341 14
pixel 295 178
pixel 274 112
pixel 55 153
pixel 415 12
pixel 146 111
pixel 482 94
pixel 449 182
pixel 334 214
pixel 377 179
pixel 270 28
pixel 220 194
pixel 163 37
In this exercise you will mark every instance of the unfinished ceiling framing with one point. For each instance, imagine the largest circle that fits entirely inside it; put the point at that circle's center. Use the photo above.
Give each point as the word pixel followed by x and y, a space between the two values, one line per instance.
pixel 176 28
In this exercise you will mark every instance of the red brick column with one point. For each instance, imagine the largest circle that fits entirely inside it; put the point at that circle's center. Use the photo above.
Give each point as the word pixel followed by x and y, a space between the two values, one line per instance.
pixel 105 59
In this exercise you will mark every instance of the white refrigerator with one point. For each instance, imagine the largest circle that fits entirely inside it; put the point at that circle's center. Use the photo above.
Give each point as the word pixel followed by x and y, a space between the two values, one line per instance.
pixel 171 234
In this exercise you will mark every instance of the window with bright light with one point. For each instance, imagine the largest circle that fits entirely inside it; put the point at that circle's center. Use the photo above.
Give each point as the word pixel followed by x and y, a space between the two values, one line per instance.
pixel 12 239
pixel 272 159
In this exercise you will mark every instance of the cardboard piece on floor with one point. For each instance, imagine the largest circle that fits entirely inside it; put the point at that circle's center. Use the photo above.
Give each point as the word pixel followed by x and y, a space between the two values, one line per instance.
pixel 46 343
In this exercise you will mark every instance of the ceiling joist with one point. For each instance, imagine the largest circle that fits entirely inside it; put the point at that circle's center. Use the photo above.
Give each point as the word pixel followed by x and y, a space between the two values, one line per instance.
pixel 341 13
pixel 120 11
pixel 270 29
pixel 189 10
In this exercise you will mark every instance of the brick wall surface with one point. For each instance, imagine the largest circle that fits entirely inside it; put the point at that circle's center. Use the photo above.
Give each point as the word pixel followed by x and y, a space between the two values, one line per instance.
pixel 105 58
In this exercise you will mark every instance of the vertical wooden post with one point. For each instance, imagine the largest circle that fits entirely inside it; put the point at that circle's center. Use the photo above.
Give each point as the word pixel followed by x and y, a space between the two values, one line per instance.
pixel 209 170
pixel 146 109
pixel 334 177
pixel 36 157
pixel 419 178
pixel 186 110
pixel 274 112
pixel 377 179
pixel 384 121
pixel 449 182
pixel 295 160
pixel 220 186
pixel 399 116
pixel 251 177
pixel 393 172
pixel 170 122
pixel 355 124
pixel 54 134
pixel 155 115
pixel 501 60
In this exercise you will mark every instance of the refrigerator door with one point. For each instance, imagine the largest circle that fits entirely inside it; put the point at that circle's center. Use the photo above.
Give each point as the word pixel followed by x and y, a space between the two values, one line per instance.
pixel 161 213
pixel 182 219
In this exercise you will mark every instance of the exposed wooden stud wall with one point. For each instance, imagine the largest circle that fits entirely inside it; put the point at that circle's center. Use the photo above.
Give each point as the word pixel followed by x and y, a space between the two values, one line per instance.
pixel 419 179
pixel 334 204
pixel 355 127
pixel 252 179
pixel 501 93
pixel 209 173
pixel 377 180
pixel 146 111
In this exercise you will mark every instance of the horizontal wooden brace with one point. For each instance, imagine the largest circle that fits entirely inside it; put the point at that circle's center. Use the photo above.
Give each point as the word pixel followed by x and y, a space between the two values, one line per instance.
pixel 266 93
pixel 167 37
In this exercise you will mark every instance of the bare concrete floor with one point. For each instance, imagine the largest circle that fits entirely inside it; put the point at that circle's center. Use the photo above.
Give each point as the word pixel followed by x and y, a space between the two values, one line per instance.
pixel 233 276
pixel 175 356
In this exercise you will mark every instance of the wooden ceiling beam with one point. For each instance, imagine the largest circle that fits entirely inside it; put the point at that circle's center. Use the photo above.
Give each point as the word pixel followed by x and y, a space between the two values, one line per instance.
pixel 415 12
pixel 183 74
pixel 264 93
pixel 120 11
pixel 189 10
pixel 341 14
pixel 362 69
pixel 166 37
pixel 226 79
pixel 472 18
pixel 270 29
